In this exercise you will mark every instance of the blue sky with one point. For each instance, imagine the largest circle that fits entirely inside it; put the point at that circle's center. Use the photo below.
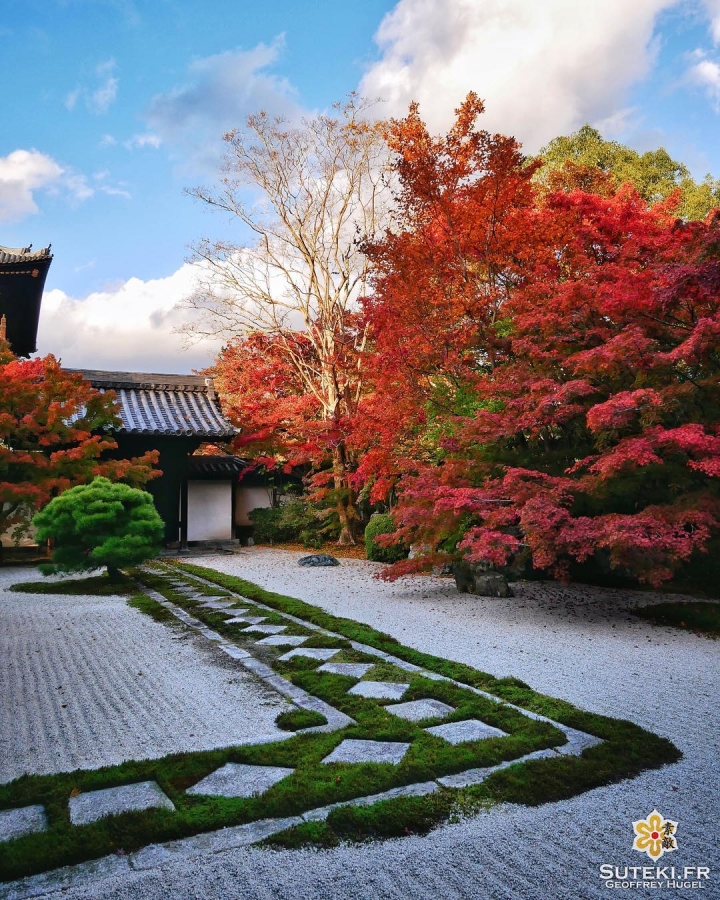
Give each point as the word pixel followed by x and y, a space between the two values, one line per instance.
pixel 112 107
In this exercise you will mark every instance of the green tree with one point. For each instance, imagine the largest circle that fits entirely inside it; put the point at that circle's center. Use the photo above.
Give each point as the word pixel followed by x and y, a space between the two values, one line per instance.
pixel 573 161
pixel 99 524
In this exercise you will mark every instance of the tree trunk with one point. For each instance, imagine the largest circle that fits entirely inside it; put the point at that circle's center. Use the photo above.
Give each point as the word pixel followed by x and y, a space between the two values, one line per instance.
pixel 114 574
pixel 345 502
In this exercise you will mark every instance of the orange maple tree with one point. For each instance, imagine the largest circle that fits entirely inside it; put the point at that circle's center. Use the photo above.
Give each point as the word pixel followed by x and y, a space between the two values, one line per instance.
pixel 54 434
pixel 546 374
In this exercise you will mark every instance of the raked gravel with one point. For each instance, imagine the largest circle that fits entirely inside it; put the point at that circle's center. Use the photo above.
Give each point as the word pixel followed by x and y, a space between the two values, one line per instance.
pixel 87 682
pixel 577 643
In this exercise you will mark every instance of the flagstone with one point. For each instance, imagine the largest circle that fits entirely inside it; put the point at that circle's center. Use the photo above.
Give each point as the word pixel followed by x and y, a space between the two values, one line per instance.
pixel 468 730
pixel 266 629
pixel 379 690
pixel 15 823
pixel 245 620
pixel 94 805
pixel 239 780
pixel 283 640
pixel 311 652
pixel 358 751
pixel 416 710
pixel 354 670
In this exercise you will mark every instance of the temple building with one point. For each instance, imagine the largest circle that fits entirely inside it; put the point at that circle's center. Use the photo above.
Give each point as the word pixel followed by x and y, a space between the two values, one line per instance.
pixel 22 281
pixel 200 498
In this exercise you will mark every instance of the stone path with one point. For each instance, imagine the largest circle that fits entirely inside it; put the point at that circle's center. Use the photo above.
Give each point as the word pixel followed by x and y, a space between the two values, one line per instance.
pixel 239 780
pixel 94 805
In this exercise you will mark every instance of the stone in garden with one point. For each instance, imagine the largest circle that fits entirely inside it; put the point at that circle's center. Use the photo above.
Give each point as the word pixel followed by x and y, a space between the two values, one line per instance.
pixel 311 652
pixel 237 613
pixel 356 751
pixel 474 579
pixel 218 604
pixel 245 620
pixel 354 670
pixel 379 690
pixel 239 780
pixel 266 629
pixel 14 823
pixel 280 640
pixel 318 559
pixel 416 710
pixel 461 732
pixel 96 805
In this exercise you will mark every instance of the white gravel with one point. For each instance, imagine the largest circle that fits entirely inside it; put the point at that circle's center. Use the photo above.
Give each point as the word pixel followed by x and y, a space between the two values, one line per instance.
pixel 577 643
pixel 87 682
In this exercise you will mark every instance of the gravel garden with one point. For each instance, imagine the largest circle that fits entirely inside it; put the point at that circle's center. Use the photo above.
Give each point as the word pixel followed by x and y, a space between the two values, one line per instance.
pixel 211 713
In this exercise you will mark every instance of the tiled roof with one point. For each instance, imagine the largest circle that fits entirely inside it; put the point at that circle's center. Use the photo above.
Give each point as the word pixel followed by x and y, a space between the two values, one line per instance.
pixel 182 405
pixel 216 465
pixel 23 254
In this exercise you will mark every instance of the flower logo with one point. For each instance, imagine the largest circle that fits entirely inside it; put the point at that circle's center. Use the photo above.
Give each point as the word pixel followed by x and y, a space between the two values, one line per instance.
pixel 655 835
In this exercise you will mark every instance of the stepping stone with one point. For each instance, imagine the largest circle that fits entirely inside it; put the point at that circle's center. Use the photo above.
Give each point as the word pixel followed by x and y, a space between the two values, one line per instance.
pixel 267 629
pixel 279 640
pixel 14 823
pixel 311 652
pixel 416 710
pixel 379 690
pixel 354 670
pixel 245 620
pixel 218 604
pixel 469 730
pixel 355 751
pixel 239 780
pixel 96 805
pixel 237 613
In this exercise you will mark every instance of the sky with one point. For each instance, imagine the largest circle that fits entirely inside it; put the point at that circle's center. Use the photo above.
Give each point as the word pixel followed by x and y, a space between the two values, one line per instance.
pixel 113 108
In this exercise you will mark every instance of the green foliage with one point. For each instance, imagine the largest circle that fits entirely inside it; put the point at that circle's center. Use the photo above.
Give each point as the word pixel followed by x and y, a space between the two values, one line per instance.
pixel 699 617
pixel 654 174
pixel 382 524
pixel 99 524
pixel 298 520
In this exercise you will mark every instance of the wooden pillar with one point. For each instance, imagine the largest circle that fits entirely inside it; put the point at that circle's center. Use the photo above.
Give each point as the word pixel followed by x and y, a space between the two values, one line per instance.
pixel 184 515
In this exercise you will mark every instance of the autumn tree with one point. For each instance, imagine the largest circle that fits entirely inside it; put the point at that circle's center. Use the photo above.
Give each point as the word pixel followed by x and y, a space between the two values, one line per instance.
pixel 54 434
pixel 587 161
pixel 307 193
pixel 581 404
pixel 441 279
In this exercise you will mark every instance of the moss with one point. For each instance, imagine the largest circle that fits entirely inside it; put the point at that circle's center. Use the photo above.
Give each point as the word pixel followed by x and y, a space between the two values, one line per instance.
pixel 297 719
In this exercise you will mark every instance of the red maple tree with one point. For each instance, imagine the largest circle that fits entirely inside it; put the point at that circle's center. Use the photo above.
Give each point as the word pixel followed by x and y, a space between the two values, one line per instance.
pixel 54 432
pixel 553 393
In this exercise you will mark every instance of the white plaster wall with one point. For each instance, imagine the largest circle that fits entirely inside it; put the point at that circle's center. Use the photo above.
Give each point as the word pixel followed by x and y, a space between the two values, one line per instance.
pixel 209 510
pixel 249 498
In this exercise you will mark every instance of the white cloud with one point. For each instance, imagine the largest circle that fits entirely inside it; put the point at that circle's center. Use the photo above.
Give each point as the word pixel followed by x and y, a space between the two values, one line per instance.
pixel 706 73
pixel 543 68
pixel 143 140
pixel 219 93
pixel 101 96
pixel 108 140
pixel 128 327
pixel 22 173
pixel 713 10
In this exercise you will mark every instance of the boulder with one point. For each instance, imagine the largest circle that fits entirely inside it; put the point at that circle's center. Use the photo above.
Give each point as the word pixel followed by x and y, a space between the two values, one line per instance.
pixel 475 579
pixel 318 559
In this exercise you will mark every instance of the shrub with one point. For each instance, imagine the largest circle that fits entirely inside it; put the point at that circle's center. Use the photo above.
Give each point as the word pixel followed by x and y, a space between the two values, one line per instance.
pixel 382 524
pixel 99 524
pixel 297 520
